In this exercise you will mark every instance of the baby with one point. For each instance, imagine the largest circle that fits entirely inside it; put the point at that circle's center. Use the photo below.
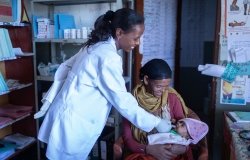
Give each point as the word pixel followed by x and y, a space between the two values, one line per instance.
pixel 187 131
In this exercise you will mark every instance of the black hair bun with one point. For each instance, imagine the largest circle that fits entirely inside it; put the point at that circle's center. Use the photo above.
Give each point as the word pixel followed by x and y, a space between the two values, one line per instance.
pixel 108 16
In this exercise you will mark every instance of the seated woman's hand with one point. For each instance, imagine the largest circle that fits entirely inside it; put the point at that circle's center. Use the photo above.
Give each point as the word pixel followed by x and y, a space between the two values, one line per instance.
pixel 178 149
pixel 160 151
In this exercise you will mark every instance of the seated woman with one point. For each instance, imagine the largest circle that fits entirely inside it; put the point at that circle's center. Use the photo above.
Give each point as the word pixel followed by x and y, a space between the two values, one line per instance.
pixel 155 96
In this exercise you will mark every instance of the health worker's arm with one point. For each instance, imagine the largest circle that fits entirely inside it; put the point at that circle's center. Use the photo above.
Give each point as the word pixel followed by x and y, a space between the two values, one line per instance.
pixel 60 76
pixel 112 85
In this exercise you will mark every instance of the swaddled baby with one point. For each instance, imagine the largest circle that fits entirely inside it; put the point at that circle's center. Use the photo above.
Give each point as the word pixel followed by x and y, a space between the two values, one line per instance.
pixel 186 131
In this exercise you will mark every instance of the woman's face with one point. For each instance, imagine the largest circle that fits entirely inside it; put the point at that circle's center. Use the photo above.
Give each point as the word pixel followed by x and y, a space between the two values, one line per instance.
pixel 129 40
pixel 157 87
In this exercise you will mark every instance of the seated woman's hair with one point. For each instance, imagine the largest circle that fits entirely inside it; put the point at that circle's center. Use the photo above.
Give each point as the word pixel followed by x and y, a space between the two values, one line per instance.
pixel 156 69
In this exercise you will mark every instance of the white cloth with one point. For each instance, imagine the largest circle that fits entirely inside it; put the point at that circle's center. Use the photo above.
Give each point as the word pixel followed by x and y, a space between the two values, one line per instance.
pixel 211 70
pixel 43 110
pixel 164 126
pixel 167 138
pixel 79 110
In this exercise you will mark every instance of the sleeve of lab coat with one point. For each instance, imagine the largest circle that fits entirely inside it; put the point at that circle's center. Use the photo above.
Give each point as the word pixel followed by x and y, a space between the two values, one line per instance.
pixel 60 76
pixel 112 85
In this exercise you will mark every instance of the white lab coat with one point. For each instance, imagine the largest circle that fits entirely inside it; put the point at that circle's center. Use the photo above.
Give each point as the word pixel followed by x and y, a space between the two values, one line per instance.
pixel 82 103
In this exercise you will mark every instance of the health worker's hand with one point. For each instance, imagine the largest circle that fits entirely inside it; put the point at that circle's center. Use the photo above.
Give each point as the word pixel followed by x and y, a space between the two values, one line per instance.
pixel 164 126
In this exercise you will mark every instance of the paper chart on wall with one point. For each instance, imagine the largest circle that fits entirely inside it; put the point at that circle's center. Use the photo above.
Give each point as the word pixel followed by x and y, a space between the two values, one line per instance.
pixel 248 90
pixel 160 28
pixel 234 93
pixel 237 26
pixel 238 31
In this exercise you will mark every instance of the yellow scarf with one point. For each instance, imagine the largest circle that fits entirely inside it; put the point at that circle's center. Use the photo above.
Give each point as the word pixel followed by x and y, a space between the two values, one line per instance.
pixel 150 103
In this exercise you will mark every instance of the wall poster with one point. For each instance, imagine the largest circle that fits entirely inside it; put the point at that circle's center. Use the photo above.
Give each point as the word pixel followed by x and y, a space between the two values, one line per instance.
pixel 237 32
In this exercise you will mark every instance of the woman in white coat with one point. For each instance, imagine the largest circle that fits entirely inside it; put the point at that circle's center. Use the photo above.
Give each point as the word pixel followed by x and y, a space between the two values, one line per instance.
pixel 88 85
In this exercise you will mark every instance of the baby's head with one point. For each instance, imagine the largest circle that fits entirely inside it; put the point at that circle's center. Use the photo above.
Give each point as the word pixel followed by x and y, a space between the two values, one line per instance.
pixel 193 129
pixel 181 129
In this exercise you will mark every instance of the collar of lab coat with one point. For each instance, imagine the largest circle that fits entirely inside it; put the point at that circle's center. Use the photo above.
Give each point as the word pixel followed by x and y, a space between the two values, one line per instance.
pixel 111 41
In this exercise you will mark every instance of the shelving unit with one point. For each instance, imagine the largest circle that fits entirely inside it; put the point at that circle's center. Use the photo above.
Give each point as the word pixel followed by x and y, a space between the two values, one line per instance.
pixel 72 2
pixel 48 50
pixel 20 96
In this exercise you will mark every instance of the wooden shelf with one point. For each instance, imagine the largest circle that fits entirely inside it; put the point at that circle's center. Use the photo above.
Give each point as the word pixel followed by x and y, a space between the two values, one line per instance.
pixel 24 55
pixel 3 93
pixel 47 40
pixel 20 68
pixel 45 78
pixel 16 57
pixel 21 86
pixel 16 88
pixel 71 2
pixel 21 150
pixel 13 24
pixel 14 121
pixel 7 59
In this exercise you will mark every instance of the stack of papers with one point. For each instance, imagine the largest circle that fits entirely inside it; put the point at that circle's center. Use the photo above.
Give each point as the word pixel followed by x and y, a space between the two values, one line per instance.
pixel 6 48
pixel 3 86
pixel 14 84
pixel 14 112
pixel 19 140
pixel 239 117
pixel 18 52
pixel 6 149
pixel 4 120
